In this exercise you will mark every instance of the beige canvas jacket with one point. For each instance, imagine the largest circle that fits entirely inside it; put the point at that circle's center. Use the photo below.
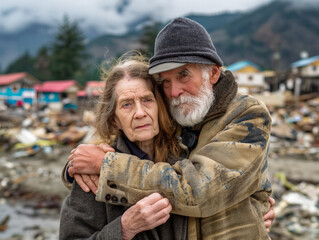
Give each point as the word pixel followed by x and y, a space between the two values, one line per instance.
pixel 223 183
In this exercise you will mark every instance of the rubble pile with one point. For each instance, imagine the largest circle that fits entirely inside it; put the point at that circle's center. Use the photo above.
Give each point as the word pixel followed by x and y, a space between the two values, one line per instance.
pixel 297 213
pixel 35 145
pixel 294 162
pixel 34 148
pixel 296 129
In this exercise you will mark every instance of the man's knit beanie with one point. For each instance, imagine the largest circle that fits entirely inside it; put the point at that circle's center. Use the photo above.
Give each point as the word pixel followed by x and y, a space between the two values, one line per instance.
pixel 180 42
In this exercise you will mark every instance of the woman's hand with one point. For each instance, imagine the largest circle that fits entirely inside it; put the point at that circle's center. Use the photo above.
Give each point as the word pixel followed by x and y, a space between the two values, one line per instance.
pixel 87 182
pixel 269 217
pixel 146 214
pixel 87 159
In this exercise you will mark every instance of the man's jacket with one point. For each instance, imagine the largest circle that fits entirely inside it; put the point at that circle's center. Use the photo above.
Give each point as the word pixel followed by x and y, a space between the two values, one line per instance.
pixel 223 183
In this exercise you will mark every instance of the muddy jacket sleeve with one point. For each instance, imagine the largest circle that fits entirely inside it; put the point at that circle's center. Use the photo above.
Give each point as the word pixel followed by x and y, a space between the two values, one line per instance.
pixel 84 218
pixel 229 164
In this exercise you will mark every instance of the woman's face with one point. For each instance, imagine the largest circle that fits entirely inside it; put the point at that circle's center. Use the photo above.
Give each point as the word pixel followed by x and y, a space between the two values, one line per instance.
pixel 136 112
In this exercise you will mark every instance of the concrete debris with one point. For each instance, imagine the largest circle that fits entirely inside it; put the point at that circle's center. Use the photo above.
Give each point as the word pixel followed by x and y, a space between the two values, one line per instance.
pixel 34 146
pixel 297 214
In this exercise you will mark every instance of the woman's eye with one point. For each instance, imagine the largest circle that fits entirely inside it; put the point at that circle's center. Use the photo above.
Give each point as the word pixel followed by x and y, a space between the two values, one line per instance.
pixel 148 100
pixel 126 104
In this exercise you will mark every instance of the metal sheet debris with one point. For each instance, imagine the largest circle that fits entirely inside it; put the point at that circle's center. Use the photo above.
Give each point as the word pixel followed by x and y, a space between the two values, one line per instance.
pixel 34 146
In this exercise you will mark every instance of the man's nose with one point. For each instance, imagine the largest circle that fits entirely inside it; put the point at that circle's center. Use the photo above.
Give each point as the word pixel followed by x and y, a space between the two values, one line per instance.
pixel 176 89
pixel 139 111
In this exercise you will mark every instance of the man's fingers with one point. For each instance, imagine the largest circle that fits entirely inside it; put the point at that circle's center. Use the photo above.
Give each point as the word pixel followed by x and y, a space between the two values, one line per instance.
pixel 270 215
pixel 106 147
pixel 272 202
pixel 73 150
pixel 71 156
pixel 72 171
pixel 82 184
pixel 268 223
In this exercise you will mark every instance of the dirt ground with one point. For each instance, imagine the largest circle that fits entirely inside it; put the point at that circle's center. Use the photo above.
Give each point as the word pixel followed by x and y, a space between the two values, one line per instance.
pixel 295 168
pixel 35 181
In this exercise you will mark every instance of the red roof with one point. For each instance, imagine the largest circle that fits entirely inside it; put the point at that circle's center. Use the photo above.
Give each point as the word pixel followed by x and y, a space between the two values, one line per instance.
pixel 10 78
pixel 95 84
pixel 93 88
pixel 81 93
pixel 54 86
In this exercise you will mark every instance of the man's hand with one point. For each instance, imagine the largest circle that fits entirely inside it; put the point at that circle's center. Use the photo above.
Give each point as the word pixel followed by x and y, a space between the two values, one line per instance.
pixel 146 214
pixel 269 217
pixel 87 182
pixel 87 159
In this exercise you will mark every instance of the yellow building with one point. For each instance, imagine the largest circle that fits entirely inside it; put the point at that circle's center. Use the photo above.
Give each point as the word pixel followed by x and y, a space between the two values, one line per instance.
pixel 249 76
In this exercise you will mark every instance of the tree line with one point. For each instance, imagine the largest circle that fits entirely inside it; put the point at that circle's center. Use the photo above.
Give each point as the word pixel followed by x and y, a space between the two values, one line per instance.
pixel 67 58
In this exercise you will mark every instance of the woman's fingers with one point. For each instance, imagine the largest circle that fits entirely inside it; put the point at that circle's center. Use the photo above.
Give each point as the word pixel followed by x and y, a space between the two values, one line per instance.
pixel 146 214
pixel 79 180
pixel 87 182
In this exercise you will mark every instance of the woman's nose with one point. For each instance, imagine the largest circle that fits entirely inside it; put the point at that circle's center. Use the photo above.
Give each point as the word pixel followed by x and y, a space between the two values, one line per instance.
pixel 140 111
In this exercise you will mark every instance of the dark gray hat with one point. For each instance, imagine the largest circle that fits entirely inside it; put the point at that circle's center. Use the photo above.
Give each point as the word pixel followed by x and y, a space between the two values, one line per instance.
pixel 180 42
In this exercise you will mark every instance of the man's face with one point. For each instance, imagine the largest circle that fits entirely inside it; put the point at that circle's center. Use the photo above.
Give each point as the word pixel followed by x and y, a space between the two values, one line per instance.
pixel 189 92
pixel 185 79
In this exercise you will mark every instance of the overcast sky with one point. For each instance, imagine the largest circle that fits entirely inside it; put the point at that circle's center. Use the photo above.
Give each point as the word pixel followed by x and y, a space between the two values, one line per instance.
pixel 109 15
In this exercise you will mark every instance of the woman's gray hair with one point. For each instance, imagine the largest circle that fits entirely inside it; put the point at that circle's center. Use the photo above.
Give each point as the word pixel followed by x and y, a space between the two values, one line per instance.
pixel 133 68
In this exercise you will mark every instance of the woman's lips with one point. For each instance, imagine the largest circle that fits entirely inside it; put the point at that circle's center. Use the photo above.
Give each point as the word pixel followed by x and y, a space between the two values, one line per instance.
pixel 143 126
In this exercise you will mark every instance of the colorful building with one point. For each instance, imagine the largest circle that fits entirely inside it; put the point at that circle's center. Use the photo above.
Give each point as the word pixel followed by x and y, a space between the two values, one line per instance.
pixel 87 98
pixel 306 74
pixel 18 88
pixel 248 75
pixel 92 89
pixel 57 92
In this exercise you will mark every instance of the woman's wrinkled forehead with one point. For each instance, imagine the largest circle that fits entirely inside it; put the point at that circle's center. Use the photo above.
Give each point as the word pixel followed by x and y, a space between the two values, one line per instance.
pixel 128 84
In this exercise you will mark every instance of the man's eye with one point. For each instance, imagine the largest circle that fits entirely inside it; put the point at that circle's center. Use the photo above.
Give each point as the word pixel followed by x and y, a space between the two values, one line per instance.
pixel 165 83
pixel 184 74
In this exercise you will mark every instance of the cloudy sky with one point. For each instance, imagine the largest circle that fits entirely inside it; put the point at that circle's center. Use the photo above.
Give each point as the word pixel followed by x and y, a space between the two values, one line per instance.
pixel 111 16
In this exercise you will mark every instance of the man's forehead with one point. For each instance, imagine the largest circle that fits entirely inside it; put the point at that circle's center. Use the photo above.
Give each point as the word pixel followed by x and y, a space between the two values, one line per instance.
pixel 176 71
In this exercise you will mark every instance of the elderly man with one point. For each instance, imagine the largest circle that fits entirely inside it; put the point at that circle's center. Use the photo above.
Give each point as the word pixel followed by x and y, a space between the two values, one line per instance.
pixel 223 182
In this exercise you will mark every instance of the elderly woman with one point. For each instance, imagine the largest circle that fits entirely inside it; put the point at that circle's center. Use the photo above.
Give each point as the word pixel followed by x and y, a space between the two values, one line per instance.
pixel 132 110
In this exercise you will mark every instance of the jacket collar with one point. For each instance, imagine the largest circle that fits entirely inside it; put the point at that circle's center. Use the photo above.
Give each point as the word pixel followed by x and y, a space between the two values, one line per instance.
pixel 124 145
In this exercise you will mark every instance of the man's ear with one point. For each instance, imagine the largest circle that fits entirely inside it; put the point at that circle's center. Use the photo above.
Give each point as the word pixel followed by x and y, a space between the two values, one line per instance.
pixel 215 74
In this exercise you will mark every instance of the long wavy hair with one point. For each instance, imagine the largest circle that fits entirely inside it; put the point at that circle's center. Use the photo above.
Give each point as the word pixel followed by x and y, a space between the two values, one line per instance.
pixel 165 142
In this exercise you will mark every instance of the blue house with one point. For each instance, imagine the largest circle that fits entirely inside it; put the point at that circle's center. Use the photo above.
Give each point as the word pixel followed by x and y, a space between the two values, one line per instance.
pixel 53 92
pixel 18 88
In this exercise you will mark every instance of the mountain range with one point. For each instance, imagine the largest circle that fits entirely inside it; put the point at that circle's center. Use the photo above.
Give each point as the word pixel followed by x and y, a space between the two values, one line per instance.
pixel 276 29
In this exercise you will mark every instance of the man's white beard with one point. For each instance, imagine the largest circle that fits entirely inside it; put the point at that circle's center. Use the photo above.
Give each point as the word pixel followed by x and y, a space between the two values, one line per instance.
pixel 189 110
